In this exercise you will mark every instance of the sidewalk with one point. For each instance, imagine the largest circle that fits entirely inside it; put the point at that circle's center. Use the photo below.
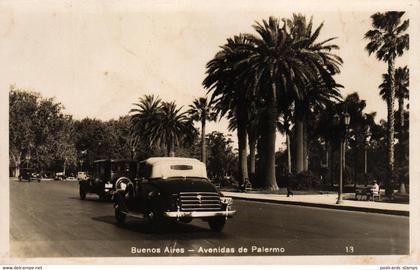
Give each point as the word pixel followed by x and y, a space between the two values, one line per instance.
pixel 325 201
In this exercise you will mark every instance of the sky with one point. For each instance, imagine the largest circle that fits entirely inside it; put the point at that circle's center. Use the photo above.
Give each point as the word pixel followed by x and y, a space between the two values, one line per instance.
pixel 97 58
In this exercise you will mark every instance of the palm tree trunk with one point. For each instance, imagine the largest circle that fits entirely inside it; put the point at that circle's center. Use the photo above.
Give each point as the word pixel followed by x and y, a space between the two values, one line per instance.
pixel 390 127
pixel 269 166
pixel 289 156
pixel 402 188
pixel 242 148
pixel 203 140
pixel 332 164
pixel 299 142
pixel 305 143
pixel 401 114
pixel 252 149
pixel 171 147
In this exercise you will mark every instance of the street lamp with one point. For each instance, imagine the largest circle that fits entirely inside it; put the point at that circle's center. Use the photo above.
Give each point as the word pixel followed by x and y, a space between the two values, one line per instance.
pixel 343 127
pixel 367 134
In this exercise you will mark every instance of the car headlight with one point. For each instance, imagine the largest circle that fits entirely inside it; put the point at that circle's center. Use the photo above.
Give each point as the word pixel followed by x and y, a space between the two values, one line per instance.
pixel 226 200
pixel 108 185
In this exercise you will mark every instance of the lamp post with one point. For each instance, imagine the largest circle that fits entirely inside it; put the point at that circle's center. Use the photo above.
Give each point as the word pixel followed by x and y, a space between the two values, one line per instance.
pixel 366 142
pixel 343 125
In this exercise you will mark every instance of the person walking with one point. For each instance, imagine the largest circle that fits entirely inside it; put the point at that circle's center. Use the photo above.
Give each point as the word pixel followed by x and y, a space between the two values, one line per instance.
pixel 289 190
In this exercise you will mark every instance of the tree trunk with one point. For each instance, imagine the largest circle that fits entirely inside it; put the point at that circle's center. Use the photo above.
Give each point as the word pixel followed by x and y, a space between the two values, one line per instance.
pixel 171 147
pixel 252 149
pixel 289 156
pixel 390 129
pixel 332 166
pixel 400 139
pixel 203 140
pixel 242 147
pixel 305 144
pixel 299 145
pixel 356 159
pixel 401 114
pixel 269 135
pixel 327 162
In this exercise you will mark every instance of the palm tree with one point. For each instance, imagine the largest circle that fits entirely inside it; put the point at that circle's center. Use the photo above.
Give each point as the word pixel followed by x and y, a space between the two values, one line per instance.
pixel 161 122
pixel 287 61
pixel 401 81
pixel 143 116
pixel 202 111
pixel 323 89
pixel 172 127
pixel 229 90
pixel 401 78
pixel 388 40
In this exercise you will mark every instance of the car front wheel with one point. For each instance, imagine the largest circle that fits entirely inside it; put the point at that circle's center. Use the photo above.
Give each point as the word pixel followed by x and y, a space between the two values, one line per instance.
pixel 217 224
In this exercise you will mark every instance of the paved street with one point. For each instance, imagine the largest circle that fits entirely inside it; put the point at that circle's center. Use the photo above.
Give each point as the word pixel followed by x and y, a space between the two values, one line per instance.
pixel 48 219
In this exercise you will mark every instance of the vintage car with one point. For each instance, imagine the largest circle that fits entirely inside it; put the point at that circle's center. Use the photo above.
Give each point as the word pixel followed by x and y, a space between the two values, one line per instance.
pixel 169 188
pixel 81 175
pixel 60 176
pixel 105 173
pixel 29 174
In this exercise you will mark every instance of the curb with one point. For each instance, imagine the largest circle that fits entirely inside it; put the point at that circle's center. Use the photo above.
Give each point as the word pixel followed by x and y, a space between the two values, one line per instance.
pixel 330 206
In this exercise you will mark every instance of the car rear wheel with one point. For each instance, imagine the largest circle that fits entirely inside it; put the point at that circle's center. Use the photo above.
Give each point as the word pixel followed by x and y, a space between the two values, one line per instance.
pixel 217 224
pixel 119 216
pixel 82 193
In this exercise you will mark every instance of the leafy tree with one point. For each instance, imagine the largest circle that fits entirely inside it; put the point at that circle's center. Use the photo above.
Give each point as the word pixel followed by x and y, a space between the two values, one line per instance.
pixel 21 127
pixel 388 40
pixel 221 160
pixel 92 137
pixel 43 138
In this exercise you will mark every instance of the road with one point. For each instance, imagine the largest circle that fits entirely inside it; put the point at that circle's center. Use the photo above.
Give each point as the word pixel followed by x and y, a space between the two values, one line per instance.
pixel 48 219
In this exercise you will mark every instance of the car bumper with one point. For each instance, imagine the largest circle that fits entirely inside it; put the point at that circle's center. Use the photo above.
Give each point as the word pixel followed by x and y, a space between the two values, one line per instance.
pixel 201 214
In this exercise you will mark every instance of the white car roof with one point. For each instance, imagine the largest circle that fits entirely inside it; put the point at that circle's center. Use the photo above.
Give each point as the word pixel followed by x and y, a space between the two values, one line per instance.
pixel 161 167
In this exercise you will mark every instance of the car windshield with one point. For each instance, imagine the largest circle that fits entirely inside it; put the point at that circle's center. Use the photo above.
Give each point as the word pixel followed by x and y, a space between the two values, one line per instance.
pixel 120 167
pixel 186 178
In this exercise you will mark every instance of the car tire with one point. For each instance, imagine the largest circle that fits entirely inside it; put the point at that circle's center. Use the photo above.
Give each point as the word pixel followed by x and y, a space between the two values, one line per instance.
pixel 119 216
pixel 217 224
pixel 82 193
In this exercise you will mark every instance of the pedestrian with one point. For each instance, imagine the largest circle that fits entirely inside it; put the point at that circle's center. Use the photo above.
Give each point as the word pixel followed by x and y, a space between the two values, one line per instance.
pixel 289 190
pixel 245 184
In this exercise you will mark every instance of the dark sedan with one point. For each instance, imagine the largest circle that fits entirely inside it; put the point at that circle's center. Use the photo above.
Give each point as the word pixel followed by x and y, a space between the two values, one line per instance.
pixel 175 189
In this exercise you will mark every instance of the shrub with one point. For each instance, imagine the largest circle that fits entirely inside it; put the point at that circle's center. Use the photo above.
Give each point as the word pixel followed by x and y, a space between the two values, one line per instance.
pixel 305 181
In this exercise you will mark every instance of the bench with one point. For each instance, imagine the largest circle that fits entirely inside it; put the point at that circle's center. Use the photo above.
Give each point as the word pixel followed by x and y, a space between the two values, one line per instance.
pixel 367 194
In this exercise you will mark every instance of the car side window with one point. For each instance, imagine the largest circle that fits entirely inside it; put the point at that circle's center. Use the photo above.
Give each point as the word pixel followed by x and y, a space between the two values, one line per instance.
pixel 144 170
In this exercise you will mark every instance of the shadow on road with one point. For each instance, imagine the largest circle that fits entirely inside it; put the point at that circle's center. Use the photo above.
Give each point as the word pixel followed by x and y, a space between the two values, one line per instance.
pixel 168 228
pixel 91 198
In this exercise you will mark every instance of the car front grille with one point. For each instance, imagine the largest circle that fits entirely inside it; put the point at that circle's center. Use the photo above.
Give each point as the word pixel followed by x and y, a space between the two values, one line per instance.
pixel 199 201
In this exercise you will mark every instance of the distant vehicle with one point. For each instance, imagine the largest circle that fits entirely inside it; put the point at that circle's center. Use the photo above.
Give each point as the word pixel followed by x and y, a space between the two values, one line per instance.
pixel 172 189
pixel 29 174
pixel 59 176
pixel 82 176
pixel 104 175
